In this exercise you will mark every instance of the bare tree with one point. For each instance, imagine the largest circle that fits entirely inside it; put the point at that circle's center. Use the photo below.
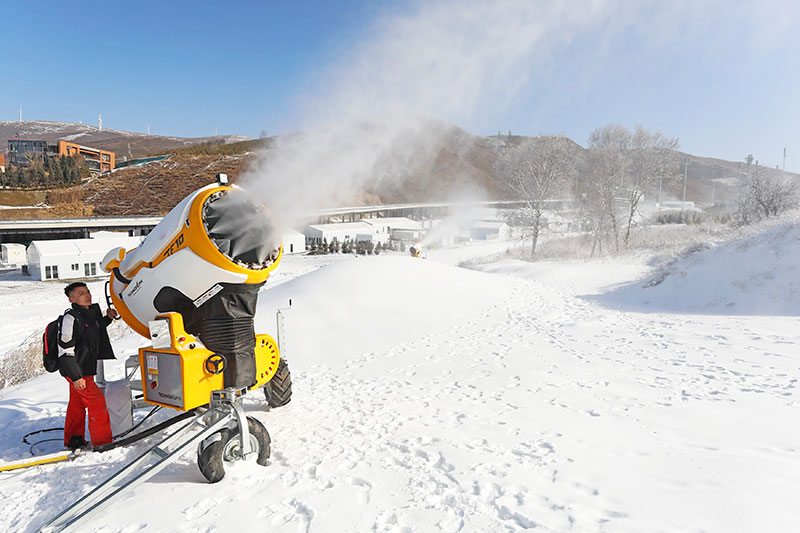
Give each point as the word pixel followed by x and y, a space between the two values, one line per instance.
pixel 651 162
pixel 535 172
pixel 609 164
pixel 622 168
pixel 764 195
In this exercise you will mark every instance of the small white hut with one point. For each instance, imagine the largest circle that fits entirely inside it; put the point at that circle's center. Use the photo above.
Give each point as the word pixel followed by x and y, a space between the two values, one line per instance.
pixel 490 231
pixel 12 254
pixel 73 258
pixel 294 242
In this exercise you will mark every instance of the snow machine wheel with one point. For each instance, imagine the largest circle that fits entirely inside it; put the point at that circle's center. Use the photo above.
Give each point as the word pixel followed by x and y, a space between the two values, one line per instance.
pixel 278 390
pixel 211 458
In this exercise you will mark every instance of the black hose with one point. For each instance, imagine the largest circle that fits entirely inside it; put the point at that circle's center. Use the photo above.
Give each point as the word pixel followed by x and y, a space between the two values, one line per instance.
pixel 152 411
pixel 25 438
pixel 122 442
pixel 38 442
pixel 145 433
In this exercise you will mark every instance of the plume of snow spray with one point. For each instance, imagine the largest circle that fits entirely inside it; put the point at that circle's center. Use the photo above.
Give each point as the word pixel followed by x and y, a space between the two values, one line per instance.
pixel 460 217
pixel 369 121
pixel 372 115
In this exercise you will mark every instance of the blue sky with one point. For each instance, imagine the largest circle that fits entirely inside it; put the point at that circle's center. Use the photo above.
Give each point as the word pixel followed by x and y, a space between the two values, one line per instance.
pixel 721 76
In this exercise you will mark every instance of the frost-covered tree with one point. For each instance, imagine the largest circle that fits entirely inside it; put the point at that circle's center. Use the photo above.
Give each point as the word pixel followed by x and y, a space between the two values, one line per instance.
pixel 535 172
pixel 607 165
pixel 621 168
pixel 764 195
pixel 652 162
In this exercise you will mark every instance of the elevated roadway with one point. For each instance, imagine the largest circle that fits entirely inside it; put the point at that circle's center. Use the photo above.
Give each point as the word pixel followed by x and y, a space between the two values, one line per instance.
pixel 24 231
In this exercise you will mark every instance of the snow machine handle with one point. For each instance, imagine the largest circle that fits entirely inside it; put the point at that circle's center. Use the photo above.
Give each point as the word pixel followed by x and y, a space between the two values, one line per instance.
pixel 109 303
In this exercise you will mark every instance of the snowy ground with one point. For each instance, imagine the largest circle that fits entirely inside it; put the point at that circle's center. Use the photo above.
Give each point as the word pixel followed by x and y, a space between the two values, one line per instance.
pixel 427 397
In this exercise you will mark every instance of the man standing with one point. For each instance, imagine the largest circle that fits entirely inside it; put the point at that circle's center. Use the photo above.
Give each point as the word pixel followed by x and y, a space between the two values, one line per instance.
pixel 82 341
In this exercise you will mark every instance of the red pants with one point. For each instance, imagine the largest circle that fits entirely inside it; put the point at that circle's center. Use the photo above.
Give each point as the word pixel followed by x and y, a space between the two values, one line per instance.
pixel 90 398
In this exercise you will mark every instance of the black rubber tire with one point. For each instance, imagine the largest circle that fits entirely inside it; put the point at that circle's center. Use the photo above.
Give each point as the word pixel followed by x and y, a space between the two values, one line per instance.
pixel 278 390
pixel 211 459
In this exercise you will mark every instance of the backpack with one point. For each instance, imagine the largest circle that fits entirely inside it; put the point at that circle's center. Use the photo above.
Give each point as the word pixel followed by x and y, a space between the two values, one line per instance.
pixel 50 344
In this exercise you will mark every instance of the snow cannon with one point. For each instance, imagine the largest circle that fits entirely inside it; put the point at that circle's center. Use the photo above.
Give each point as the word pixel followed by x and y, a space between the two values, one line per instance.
pixel 191 287
pixel 417 251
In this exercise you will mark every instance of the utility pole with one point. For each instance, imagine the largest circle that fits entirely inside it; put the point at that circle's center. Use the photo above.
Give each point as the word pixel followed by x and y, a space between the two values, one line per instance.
pixel 685 172
pixel 100 121
pixel 783 168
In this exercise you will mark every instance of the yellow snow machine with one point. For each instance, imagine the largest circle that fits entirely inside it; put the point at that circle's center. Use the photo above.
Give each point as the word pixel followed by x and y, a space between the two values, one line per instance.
pixel 191 288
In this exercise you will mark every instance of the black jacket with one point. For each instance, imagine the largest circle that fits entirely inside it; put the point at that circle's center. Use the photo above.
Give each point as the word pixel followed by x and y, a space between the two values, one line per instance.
pixel 83 340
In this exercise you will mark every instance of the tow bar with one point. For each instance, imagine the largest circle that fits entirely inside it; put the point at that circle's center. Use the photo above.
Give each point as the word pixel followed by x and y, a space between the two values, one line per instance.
pixel 224 411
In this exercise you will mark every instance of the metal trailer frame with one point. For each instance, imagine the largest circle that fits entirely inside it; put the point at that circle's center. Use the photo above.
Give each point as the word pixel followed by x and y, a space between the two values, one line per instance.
pixel 225 410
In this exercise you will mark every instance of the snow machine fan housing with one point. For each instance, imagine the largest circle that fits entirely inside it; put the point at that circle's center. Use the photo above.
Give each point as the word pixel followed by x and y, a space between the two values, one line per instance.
pixel 215 238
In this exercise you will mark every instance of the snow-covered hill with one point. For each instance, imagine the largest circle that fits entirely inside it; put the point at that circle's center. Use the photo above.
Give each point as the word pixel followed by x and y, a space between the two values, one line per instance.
pixel 432 398
pixel 753 275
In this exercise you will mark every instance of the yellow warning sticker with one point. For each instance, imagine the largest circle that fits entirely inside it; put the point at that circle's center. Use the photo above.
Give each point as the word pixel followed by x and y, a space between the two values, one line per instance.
pixel 152 363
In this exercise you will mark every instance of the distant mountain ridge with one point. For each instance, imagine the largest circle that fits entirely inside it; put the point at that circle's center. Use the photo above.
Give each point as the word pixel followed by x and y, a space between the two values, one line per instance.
pixel 461 162
pixel 125 144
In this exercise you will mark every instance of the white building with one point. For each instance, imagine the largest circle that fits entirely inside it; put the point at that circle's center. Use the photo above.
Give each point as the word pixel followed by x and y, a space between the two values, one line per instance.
pixel 72 258
pixel 340 231
pixel 386 225
pixel 407 235
pixel 294 242
pixel 375 238
pixel 490 231
pixel 12 254
pixel 395 228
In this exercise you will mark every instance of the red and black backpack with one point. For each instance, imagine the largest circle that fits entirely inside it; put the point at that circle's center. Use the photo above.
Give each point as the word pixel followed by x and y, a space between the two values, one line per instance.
pixel 50 344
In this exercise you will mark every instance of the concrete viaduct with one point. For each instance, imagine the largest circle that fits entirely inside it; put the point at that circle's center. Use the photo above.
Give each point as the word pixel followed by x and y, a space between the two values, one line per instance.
pixel 24 231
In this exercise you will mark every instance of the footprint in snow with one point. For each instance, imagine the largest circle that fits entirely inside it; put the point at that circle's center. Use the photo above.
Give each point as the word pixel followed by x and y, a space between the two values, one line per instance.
pixel 131 528
pixel 364 488
pixel 199 509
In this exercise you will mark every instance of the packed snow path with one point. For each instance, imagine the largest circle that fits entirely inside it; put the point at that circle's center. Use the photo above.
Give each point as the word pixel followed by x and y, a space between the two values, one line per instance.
pixel 494 401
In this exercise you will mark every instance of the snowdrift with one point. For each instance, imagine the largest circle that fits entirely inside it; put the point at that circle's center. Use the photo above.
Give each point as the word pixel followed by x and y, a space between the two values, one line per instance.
pixel 754 275
pixel 370 304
